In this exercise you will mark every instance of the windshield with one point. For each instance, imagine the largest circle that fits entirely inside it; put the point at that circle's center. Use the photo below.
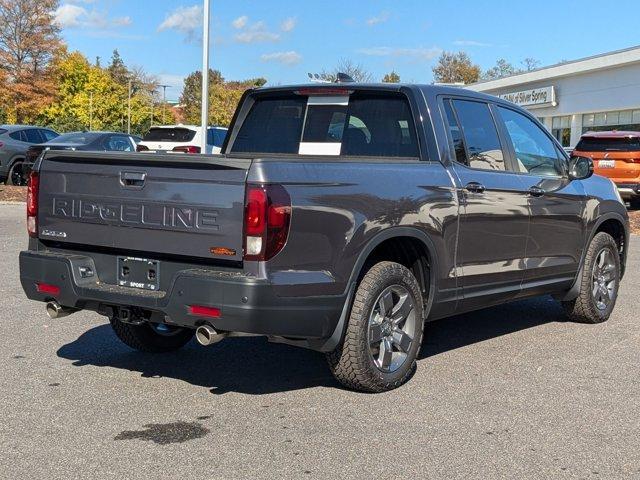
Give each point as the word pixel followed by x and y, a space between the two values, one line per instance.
pixel 169 135
pixel 594 144
pixel 80 138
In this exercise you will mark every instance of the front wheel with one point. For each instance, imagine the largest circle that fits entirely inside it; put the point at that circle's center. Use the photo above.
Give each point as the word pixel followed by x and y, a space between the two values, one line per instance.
pixel 384 333
pixel 599 282
pixel 151 337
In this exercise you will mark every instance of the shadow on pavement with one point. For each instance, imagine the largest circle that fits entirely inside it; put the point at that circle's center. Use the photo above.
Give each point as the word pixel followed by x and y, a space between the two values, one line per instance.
pixel 253 366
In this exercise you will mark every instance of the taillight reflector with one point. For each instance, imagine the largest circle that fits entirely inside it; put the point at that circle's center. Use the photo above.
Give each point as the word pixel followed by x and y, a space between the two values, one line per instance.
pixel 266 221
pixel 48 289
pixel 202 311
pixel 33 186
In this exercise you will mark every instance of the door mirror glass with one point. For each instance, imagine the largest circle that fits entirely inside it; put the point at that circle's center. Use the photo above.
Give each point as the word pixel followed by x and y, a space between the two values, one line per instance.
pixel 580 168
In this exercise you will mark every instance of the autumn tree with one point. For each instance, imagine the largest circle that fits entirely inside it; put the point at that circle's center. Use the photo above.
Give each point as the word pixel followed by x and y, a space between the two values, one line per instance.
pixel 29 39
pixel 391 77
pixel 455 68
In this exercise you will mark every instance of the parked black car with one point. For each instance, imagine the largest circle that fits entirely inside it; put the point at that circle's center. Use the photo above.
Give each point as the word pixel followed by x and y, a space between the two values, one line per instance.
pixel 15 140
pixel 83 141
pixel 338 218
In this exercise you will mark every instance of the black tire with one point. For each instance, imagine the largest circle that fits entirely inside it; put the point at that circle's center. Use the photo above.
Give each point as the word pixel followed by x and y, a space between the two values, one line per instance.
pixel 352 362
pixel 16 175
pixel 586 308
pixel 145 338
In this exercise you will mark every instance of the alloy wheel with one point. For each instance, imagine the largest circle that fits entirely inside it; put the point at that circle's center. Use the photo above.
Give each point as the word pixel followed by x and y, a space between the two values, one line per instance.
pixel 392 327
pixel 604 279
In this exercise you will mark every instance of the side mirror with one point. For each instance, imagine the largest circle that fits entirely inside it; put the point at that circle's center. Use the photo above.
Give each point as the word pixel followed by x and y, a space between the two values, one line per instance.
pixel 580 168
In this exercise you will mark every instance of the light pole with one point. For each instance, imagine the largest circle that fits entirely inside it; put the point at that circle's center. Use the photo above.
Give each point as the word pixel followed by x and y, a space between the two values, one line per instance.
pixel 164 100
pixel 205 76
pixel 129 110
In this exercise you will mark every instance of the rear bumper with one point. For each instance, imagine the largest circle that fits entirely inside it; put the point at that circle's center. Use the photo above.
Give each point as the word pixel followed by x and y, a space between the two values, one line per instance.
pixel 247 305
pixel 629 190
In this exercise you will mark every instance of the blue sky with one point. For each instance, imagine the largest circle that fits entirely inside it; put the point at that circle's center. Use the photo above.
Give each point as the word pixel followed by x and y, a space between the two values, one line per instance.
pixel 282 40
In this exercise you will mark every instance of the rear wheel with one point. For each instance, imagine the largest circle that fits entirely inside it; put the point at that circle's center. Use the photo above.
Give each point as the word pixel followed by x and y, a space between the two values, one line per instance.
pixel 384 332
pixel 151 337
pixel 17 175
pixel 599 282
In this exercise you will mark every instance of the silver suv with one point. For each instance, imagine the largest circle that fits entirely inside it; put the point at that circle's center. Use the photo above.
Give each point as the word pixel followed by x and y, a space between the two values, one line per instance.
pixel 15 140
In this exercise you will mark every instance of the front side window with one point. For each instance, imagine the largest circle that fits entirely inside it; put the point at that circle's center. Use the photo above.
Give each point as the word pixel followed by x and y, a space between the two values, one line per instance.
pixel 118 143
pixel 480 135
pixel 535 151
pixel 48 134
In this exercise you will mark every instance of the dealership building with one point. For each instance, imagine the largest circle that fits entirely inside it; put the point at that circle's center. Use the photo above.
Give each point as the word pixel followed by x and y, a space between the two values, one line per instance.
pixel 595 93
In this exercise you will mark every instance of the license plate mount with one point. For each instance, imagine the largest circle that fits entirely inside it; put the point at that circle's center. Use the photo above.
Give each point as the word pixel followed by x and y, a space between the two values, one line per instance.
pixel 607 164
pixel 141 273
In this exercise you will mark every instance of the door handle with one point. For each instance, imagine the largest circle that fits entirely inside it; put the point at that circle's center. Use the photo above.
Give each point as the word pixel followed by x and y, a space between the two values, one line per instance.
pixel 536 191
pixel 474 187
pixel 132 179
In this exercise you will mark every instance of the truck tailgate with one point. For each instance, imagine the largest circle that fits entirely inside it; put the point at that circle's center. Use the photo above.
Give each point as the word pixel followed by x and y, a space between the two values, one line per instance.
pixel 184 205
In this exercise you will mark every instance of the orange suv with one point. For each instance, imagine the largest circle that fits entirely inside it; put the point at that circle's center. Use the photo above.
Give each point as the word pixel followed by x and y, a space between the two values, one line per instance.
pixel 615 155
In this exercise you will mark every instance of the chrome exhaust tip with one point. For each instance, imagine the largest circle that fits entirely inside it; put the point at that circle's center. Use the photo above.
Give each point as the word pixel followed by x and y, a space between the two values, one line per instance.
pixel 55 310
pixel 207 335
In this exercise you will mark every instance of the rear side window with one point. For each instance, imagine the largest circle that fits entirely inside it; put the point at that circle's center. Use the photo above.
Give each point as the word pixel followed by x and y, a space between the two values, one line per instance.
pixel 361 125
pixel 177 135
pixel 33 135
pixel 594 144
pixel 456 134
pixel 3 130
pixel 19 135
pixel 48 134
pixel 480 135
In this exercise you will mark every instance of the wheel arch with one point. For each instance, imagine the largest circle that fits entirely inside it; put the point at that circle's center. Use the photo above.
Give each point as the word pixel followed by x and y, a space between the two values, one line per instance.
pixel 384 240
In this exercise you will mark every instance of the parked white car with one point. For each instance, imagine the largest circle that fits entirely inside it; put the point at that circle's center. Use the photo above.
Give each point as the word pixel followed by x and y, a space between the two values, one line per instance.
pixel 181 139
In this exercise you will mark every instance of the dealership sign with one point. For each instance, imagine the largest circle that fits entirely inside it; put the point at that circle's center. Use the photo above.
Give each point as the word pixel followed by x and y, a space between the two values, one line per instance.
pixel 536 97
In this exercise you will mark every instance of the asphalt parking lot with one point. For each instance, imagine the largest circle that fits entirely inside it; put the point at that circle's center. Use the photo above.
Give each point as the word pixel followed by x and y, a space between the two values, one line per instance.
pixel 509 392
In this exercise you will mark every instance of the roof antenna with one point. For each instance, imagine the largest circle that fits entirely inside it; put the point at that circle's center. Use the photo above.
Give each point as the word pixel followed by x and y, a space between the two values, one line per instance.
pixel 344 78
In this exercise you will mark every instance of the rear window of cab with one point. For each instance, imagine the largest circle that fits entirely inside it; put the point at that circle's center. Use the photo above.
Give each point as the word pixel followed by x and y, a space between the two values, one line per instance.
pixel 621 144
pixel 359 125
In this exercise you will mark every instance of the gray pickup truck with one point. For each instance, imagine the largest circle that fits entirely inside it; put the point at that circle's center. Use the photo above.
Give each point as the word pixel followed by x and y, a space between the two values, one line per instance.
pixel 339 218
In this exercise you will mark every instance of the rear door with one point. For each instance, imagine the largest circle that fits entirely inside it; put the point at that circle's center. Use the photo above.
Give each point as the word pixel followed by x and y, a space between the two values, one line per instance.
pixel 557 229
pixel 166 204
pixel 494 218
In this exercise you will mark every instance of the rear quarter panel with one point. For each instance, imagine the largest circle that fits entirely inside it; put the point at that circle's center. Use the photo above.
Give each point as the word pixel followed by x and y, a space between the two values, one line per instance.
pixel 342 208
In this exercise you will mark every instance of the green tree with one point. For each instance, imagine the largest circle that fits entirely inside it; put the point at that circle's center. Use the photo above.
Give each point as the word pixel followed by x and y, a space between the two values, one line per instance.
pixel 455 68
pixel 223 97
pixel 391 77
pixel 118 70
pixel 501 69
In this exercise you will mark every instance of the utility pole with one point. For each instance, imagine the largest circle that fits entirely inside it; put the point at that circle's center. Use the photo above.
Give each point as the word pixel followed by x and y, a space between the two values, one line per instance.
pixel 164 100
pixel 90 110
pixel 205 76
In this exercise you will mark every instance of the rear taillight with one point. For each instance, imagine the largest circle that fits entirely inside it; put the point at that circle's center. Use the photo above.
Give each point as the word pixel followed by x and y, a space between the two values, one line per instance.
pixel 187 149
pixel 1 144
pixel 266 221
pixel 33 186
pixel 142 148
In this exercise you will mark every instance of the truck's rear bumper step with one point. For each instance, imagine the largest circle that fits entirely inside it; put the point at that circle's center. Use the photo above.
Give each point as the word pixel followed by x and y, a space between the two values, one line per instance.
pixel 246 304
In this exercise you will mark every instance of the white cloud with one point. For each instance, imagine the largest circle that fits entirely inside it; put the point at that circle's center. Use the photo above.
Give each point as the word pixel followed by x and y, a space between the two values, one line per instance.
pixel 416 53
pixel 186 20
pixel 256 33
pixel 285 58
pixel 240 22
pixel 288 24
pixel 471 43
pixel 383 17
pixel 69 15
